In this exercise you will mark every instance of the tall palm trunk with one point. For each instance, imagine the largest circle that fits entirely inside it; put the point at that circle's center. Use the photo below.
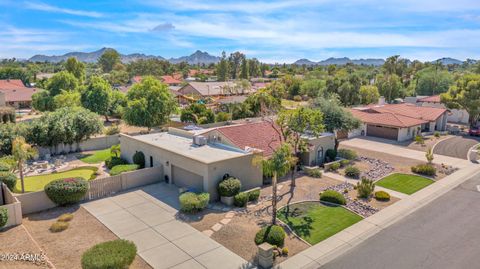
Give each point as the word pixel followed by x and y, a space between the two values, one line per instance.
pixel 274 198
pixel 20 167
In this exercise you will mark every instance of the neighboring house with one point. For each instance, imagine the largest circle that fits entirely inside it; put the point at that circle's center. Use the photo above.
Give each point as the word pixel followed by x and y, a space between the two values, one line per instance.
pixel 170 80
pixel 16 93
pixel 210 89
pixel 454 115
pixel 399 122
pixel 198 159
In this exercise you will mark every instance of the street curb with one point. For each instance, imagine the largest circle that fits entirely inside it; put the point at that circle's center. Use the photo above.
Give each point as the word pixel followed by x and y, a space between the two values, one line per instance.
pixel 342 242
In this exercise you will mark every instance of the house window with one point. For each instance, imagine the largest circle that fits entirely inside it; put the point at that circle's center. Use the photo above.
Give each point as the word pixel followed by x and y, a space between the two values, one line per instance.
pixel 151 161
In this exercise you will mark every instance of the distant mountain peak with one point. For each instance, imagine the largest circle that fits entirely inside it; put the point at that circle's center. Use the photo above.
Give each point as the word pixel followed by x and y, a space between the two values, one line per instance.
pixel 341 61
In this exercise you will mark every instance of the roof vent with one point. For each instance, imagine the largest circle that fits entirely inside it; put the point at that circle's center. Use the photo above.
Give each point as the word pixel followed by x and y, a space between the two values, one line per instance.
pixel 199 140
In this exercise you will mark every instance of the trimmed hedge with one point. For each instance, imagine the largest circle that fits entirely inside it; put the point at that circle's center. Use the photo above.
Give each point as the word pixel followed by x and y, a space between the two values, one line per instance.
pixel 352 172
pixel 66 191
pixel 424 169
pixel 382 196
pixel 253 195
pixel 114 161
pixel 191 202
pixel 241 199
pixel 3 217
pixel 229 187
pixel 272 234
pixel 118 253
pixel 117 170
pixel 332 196
pixel 139 159
pixel 347 154
pixel 9 179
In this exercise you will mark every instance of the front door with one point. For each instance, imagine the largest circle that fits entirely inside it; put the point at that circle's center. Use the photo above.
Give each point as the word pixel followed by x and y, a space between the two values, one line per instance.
pixel 319 155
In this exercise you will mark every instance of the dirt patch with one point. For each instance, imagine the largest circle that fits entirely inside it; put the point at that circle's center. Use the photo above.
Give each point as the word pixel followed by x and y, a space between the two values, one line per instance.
pixel 16 240
pixel 65 249
pixel 203 220
pixel 373 202
pixel 430 141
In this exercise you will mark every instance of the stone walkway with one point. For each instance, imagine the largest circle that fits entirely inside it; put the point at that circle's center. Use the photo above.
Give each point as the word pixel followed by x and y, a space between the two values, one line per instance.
pixel 148 217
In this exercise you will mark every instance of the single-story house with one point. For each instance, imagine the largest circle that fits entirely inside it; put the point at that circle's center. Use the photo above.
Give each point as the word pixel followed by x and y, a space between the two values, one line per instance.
pixel 170 80
pixel 454 115
pixel 209 89
pixel 199 159
pixel 399 122
pixel 17 95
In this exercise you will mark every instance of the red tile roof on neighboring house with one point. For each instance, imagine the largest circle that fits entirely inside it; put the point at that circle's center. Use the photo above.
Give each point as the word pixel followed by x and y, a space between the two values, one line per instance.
pixel 15 90
pixel 386 119
pixel 411 110
pixel 430 99
pixel 260 135
pixel 170 80
pixel 136 79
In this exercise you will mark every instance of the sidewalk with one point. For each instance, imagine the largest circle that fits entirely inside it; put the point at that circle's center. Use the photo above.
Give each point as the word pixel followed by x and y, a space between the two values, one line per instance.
pixel 334 246
pixel 402 152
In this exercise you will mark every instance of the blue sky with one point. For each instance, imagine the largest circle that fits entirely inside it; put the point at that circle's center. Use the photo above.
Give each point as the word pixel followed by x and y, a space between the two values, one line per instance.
pixel 272 31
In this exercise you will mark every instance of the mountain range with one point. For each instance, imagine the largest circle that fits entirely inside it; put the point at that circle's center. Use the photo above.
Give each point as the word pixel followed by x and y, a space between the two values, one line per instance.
pixel 341 61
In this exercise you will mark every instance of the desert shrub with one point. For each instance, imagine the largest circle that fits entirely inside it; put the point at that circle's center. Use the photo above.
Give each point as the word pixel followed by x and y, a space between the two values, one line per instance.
pixel 331 154
pixel 191 202
pixel 297 98
pixel 334 166
pixel 272 234
pixel 66 191
pixel 222 116
pixel 9 179
pixel 65 217
pixel 344 163
pixel 436 134
pixel 3 217
pixel 240 199
pixel 139 159
pixel 382 196
pixel 59 226
pixel 347 154
pixel 316 173
pixel 118 169
pixel 419 140
pixel 285 251
pixel 4 167
pixel 253 195
pixel 333 197
pixel 118 253
pixel 424 169
pixel 229 187
pixel 111 130
pixel 352 172
pixel 114 161
pixel 365 188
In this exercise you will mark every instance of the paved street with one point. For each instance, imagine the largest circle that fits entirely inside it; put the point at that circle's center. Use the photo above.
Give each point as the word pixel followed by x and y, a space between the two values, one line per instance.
pixel 457 147
pixel 443 234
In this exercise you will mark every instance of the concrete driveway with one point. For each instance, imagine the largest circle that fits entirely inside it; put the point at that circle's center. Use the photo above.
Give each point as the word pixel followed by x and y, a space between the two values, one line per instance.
pixel 457 146
pixel 148 217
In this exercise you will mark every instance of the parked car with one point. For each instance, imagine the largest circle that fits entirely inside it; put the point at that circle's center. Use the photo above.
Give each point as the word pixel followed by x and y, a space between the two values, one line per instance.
pixel 474 131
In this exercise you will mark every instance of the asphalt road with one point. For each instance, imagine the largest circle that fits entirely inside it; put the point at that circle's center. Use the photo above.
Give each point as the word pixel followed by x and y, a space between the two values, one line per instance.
pixel 443 234
pixel 457 146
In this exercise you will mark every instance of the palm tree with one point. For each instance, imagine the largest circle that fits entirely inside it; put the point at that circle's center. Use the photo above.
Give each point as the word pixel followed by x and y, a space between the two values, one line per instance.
pixel 278 165
pixel 115 150
pixel 22 151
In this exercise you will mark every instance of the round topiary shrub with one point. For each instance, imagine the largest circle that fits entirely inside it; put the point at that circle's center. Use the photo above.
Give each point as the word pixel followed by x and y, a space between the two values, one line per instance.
pixel 66 191
pixel 118 253
pixel 114 161
pixel 352 172
pixel 139 158
pixel 3 217
pixel 9 179
pixel 332 196
pixel 382 196
pixel 241 199
pixel 229 187
pixel 253 195
pixel 191 202
pixel 273 234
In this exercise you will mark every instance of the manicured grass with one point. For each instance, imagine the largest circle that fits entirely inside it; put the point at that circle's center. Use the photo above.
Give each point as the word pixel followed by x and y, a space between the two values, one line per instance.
pixel 315 222
pixel 122 168
pixel 404 183
pixel 97 157
pixel 37 183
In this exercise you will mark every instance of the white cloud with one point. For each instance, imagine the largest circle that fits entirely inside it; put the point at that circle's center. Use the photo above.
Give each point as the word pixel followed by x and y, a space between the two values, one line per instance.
pixel 49 8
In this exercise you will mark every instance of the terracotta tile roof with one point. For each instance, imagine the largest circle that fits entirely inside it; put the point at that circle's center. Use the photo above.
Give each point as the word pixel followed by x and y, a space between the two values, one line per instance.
pixel 386 118
pixel 411 110
pixel 259 135
pixel 136 79
pixel 15 91
pixel 170 80
pixel 430 99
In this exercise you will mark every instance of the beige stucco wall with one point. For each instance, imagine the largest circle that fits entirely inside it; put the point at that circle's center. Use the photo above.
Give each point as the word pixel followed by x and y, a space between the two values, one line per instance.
pixel 94 143
pixel 310 158
pixel 409 133
pixel 358 132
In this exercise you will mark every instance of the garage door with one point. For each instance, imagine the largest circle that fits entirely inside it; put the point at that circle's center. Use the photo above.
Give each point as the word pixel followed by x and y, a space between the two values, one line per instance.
pixel 186 179
pixel 383 132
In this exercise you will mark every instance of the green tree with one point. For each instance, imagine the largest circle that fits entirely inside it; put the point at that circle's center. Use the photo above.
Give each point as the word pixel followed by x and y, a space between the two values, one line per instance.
pixel 197 114
pixel 150 104
pixel 117 104
pixel 76 68
pixel 465 94
pixel 389 86
pixel 61 81
pixel 222 68
pixel 368 94
pixel 97 96
pixel 244 69
pixel 263 102
pixel 67 99
pixel 313 88
pixel 108 60
pixel 43 101
pixel 433 81
pixel 21 152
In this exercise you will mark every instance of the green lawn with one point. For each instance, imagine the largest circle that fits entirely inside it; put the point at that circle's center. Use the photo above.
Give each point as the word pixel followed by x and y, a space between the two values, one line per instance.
pixel 97 157
pixel 37 183
pixel 315 222
pixel 404 183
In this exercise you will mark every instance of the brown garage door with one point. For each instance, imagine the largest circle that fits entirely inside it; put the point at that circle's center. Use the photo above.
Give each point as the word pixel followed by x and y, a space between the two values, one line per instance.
pixel 383 132
pixel 186 179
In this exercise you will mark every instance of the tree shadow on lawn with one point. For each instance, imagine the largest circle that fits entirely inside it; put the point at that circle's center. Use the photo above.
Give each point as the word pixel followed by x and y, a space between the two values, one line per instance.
pixel 304 227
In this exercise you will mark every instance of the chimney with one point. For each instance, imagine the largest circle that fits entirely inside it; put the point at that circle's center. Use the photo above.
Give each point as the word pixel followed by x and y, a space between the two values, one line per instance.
pixel 381 101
